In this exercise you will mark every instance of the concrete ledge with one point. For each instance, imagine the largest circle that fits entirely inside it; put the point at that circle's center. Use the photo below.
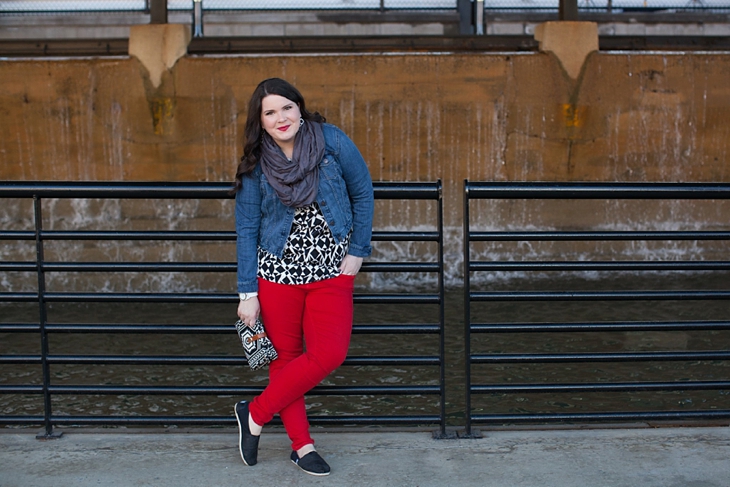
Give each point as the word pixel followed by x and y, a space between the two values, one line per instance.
pixel 571 42
pixel 158 47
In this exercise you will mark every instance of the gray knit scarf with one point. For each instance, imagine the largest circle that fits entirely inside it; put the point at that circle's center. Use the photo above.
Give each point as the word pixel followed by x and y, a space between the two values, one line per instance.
pixel 296 181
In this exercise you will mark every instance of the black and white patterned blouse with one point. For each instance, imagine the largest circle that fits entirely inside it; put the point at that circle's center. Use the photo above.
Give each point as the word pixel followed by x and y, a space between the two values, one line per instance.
pixel 311 253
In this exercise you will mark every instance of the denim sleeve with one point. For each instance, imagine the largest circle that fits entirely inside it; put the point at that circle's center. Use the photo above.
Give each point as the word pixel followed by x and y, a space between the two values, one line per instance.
pixel 248 221
pixel 360 189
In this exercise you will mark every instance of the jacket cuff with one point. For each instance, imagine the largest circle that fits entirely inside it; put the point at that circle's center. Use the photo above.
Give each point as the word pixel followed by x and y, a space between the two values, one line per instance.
pixel 359 251
pixel 248 286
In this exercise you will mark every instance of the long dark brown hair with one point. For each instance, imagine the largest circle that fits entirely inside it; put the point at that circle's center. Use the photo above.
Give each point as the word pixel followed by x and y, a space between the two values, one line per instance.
pixel 254 131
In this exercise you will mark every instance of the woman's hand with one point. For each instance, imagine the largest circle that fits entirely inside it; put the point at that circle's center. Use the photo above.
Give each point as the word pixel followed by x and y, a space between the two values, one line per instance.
pixel 248 311
pixel 350 265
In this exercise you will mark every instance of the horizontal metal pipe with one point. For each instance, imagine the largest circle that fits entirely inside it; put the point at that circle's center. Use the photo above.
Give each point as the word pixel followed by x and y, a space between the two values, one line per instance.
pixel 407 190
pixel 18 297
pixel 397 298
pixel 210 360
pixel 404 328
pixel 589 417
pixel 17 235
pixel 20 359
pixel 20 327
pixel 140 298
pixel 200 298
pixel 230 420
pixel 139 267
pixel 18 267
pixel 405 236
pixel 600 326
pixel 190 267
pixel 89 189
pixel 612 191
pixel 588 236
pixel 92 189
pixel 505 358
pixel 399 267
pixel 26 420
pixel 241 391
pixel 601 387
pixel 411 328
pixel 600 296
pixel 224 236
pixel 601 266
pixel 21 389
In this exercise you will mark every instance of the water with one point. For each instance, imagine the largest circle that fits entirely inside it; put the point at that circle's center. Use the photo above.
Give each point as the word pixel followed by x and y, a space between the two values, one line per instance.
pixel 363 345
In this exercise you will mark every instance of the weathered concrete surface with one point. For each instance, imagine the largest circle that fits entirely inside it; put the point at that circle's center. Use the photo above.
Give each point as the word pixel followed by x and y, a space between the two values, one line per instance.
pixel 570 41
pixel 689 457
pixel 415 116
pixel 631 117
pixel 158 47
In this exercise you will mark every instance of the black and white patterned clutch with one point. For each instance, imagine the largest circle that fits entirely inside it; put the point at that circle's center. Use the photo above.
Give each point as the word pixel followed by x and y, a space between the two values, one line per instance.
pixel 256 345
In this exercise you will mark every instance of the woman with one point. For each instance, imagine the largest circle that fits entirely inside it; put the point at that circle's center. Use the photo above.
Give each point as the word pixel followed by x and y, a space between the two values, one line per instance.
pixel 304 212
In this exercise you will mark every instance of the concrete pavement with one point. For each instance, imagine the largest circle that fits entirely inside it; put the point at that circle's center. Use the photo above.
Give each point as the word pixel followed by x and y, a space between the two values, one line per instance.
pixel 662 457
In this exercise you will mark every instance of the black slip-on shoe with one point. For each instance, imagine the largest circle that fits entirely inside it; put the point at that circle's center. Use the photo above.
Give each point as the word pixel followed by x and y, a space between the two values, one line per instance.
pixel 311 463
pixel 248 444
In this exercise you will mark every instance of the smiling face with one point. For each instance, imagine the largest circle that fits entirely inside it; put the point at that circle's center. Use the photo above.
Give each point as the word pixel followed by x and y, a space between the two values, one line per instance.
pixel 280 118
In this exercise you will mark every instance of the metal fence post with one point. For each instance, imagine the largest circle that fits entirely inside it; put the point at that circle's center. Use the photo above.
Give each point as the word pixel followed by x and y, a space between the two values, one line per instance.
pixel 48 426
pixel 158 11
pixel 479 17
pixel 466 13
pixel 467 316
pixel 568 10
pixel 197 18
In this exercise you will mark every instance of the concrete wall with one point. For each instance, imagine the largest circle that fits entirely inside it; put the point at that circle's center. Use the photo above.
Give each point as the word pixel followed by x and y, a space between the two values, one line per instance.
pixel 629 117
pixel 494 117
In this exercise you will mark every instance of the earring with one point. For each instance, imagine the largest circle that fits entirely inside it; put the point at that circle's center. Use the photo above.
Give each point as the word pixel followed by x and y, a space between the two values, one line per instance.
pixel 301 121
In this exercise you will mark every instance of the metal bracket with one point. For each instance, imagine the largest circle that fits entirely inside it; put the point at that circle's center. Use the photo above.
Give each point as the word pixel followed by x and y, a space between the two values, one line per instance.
pixel 54 435
pixel 475 434
pixel 448 435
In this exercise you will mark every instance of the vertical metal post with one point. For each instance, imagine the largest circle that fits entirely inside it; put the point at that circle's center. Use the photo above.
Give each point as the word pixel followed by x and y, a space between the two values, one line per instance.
pixel 568 10
pixel 158 11
pixel 479 17
pixel 467 315
pixel 442 315
pixel 465 10
pixel 382 6
pixel 49 434
pixel 197 18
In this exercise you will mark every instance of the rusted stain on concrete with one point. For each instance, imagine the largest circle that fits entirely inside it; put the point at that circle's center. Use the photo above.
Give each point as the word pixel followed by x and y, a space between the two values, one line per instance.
pixel 628 117
pixel 419 117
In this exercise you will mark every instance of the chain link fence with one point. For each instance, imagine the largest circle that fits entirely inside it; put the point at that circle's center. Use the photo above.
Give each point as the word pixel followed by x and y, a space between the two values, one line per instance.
pixel 316 4
pixel 51 6
pixel 616 6
pixel 38 6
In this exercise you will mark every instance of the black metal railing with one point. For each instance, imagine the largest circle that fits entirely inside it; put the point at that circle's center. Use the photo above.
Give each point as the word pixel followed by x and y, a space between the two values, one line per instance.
pixel 580 192
pixel 38 191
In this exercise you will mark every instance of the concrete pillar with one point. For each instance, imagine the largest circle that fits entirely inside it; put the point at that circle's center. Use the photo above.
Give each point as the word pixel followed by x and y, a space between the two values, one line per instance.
pixel 158 47
pixel 571 42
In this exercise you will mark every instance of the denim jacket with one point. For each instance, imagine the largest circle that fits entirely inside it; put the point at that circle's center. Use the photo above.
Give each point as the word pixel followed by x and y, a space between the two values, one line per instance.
pixel 345 196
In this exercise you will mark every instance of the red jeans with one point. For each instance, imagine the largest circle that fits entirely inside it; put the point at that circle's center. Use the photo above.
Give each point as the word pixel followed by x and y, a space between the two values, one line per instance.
pixel 319 314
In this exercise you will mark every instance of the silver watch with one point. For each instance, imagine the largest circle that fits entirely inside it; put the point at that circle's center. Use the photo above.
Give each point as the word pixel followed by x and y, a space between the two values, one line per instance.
pixel 247 296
